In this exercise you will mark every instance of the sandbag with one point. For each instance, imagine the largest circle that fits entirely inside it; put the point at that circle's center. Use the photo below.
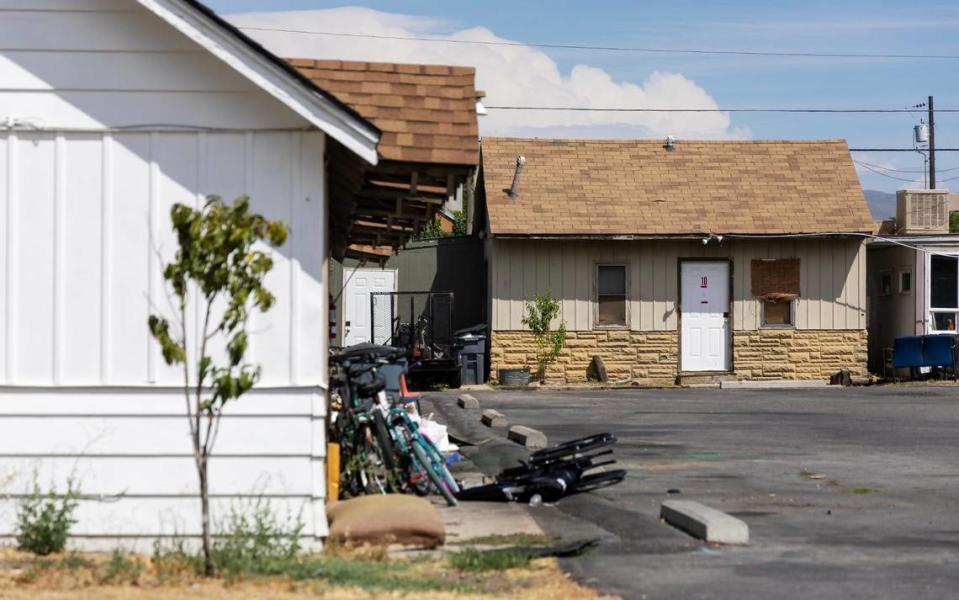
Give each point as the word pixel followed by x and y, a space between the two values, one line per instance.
pixel 386 519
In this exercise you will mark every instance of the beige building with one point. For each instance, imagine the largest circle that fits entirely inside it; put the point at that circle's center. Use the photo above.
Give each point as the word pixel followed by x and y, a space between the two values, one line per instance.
pixel 687 258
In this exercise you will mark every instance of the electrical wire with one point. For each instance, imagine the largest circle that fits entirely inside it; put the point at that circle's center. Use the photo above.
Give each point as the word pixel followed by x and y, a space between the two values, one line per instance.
pixel 647 50
pixel 723 110
pixel 878 172
pixel 917 171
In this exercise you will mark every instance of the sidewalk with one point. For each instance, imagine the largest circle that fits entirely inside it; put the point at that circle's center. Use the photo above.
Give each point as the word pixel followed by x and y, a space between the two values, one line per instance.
pixel 486 452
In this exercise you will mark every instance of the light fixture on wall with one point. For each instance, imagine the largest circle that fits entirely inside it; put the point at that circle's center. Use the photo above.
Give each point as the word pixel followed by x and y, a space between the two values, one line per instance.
pixel 712 236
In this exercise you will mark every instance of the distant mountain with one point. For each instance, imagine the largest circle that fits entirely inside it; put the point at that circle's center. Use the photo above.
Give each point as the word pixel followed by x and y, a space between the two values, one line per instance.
pixel 882 205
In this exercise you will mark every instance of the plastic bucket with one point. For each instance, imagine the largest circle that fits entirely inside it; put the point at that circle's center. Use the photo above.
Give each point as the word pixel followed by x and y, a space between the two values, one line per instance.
pixel 514 376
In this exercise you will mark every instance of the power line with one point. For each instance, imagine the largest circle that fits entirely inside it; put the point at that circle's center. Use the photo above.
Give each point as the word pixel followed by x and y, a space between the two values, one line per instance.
pixel 647 50
pixel 722 110
pixel 878 172
pixel 899 149
pixel 918 171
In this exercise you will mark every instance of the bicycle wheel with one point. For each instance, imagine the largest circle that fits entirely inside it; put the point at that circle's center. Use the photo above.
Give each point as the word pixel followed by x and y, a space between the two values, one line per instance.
pixel 384 440
pixel 373 473
pixel 439 461
pixel 596 481
pixel 438 480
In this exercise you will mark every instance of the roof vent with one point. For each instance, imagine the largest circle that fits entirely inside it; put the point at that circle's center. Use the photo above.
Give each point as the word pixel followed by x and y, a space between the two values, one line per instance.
pixel 669 145
pixel 520 163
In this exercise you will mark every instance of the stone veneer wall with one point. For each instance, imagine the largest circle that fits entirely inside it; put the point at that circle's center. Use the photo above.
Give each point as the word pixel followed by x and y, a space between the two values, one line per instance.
pixel 652 356
pixel 799 353
pixel 646 355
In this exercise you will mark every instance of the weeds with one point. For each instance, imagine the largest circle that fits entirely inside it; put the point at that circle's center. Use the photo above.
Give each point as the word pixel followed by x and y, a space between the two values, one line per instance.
pixel 44 520
pixel 71 562
pixel 861 490
pixel 121 569
pixel 471 559
pixel 255 542
pixel 513 539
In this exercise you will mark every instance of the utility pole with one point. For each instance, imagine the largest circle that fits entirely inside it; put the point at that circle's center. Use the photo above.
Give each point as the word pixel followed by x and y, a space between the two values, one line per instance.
pixel 932 146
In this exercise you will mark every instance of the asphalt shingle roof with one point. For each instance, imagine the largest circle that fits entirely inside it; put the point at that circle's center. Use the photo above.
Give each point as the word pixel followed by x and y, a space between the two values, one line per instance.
pixel 637 187
pixel 427 113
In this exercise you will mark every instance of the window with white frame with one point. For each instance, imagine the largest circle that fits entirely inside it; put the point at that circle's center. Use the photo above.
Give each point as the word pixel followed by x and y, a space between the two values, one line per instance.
pixel 905 281
pixel 611 295
pixel 943 292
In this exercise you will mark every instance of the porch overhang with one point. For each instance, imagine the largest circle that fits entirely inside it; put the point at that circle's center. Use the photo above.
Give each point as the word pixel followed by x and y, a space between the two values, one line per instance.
pixel 376 210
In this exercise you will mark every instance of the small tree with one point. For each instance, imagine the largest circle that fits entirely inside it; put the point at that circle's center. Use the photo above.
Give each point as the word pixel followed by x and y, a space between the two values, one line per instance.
pixel 540 312
pixel 216 261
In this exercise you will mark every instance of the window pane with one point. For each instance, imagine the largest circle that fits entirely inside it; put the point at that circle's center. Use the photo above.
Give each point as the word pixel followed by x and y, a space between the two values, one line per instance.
pixel 905 281
pixel 944 321
pixel 944 282
pixel 612 310
pixel 612 280
pixel 777 313
pixel 885 285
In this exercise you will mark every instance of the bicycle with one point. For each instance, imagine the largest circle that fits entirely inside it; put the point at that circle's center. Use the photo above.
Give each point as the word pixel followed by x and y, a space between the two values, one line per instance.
pixel 365 443
pixel 423 458
pixel 384 447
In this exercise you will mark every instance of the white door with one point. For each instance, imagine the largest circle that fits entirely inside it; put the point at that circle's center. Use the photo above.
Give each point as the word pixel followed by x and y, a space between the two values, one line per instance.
pixel 705 316
pixel 356 316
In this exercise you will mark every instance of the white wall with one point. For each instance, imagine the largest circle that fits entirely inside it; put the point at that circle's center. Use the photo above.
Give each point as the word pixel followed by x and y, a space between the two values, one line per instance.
pixel 84 226
pixel 129 451
pixel 96 63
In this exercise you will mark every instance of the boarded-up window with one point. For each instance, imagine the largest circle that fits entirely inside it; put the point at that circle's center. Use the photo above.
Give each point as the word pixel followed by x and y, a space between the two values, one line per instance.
pixel 611 295
pixel 776 279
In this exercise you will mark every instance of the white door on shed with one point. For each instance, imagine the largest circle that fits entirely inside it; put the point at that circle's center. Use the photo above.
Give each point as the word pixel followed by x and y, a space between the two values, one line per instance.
pixel 705 316
pixel 356 318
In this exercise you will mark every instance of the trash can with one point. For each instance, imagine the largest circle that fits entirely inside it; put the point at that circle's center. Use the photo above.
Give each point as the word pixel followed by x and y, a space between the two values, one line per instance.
pixel 471 351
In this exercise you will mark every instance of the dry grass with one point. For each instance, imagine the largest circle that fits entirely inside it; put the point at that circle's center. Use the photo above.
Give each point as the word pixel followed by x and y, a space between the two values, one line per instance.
pixel 92 576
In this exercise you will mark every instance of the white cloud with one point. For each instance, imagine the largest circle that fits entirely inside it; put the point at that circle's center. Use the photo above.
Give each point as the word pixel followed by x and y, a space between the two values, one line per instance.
pixel 510 75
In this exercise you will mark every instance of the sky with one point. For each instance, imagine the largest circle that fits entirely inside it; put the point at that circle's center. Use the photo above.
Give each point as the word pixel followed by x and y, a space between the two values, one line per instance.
pixel 531 76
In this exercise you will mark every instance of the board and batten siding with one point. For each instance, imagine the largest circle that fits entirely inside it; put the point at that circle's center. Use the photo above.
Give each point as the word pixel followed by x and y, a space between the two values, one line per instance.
pixel 111 63
pixel 120 116
pixel 832 279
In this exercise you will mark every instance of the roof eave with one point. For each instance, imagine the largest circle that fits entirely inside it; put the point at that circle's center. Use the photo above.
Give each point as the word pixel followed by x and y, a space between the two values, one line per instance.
pixel 263 69
pixel 678 236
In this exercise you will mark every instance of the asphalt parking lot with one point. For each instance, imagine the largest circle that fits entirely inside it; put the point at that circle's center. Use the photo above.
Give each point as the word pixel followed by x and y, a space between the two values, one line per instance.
pixel 848 493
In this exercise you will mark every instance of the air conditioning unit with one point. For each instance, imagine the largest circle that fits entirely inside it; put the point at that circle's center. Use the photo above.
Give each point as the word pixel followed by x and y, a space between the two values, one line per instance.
pixel 922 211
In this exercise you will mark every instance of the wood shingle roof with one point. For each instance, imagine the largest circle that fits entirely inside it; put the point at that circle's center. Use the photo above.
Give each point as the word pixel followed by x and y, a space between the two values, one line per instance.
pixel 638 187
pixel 427 113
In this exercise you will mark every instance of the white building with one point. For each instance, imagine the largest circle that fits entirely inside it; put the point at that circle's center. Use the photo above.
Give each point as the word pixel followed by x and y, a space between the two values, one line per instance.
pixel 913 274
pixel 110 112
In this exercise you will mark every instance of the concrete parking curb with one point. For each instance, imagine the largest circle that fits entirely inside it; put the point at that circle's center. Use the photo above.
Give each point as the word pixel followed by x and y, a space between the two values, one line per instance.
pixel 784 384
pixel 704 522
pixel 527 436
pixel 467 401
pixel 494 418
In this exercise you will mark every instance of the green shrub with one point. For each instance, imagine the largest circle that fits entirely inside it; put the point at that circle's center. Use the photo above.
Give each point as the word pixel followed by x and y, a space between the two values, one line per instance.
pixel 540 312
pixel 44 520
pixel 253 541
pixel 121 568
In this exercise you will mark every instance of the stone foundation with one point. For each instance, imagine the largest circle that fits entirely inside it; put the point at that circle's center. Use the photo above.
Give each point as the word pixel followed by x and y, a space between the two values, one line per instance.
pixel 799 353
pixel 652 356
pixel 645 355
